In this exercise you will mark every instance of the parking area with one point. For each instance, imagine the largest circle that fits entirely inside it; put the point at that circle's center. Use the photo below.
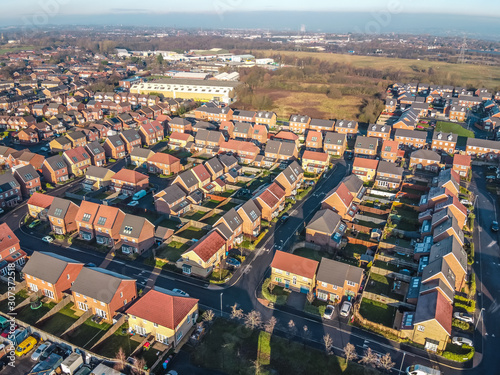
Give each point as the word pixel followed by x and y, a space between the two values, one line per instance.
pixel 21 365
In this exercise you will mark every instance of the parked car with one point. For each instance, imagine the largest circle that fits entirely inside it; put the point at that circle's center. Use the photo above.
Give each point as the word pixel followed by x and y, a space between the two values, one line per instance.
pixel 6 331
pixel 47 239
pixel 233 262
pixel 458 340
pixel 284 218
pixel 464 317
pixel 140 194
pixel 494 226
pixel 44 148
pixel 346 308
pixel 181 292
pixel 466 202
pixel 34 223
pixel 328 312
pixel 2 210
pixel 38 352
pixel 133 203
pixel 26 346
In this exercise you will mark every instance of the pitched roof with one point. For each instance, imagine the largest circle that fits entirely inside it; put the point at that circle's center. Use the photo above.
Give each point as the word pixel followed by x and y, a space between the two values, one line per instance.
pixel 390 146
pixel 142 152
pixel 343 193
pixel 365 163
pixel 250 209
pixel 389 168
pixel 324 221
pixel 47 266
pixel 27 173
pixel 59 207
pixel 129 175
pixel 172 194
pixel 201 172
pixel 98 172
pixel 459 159
pixel 7 237
pixel 40 200
pixel 368 143
pixel 434 306
pixel 77 154
pixel 336 273
pixel 90 282
pixel 314 155
pixel 56 162
pixel 106 216
pixel 132 225
pixel 215 165
pixel 208 245
pixel 189 178
pixel 87 212
pixel 447 246
pixel 294 264
pixel 426 155
pixel 162 158
pixel 162 307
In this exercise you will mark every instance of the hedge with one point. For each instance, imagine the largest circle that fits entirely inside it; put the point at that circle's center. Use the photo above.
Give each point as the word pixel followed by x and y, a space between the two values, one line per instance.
pixel 465 303
pixel 460 357
pixel 266 293
pixel 457 323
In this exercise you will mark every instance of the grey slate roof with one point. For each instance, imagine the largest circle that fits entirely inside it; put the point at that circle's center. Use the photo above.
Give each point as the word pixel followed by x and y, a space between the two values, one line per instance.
pixel 189 178
pixel 132 225
pixel 98 172
pixel 437 284
pixel 353 183
pixel 299 118
pixel 232 219
pixel 242 127
pixel 131 135
pixel 439 266
pixel 324 221
pixel 94 148
pixel 140 152
pixel 346 124
pixel 116 140
pixel 447 246
pixel 8 182
pixel 98 283
pixel 368 143
pixel 227 160
pixel 59 207
pixel 215 165
pixel 173 193
pixel 327 124
pixel 389 168
pixel 335 273
pixel 407 133
pixel 47 266
pixel 251 210
pixel 332 138
pixel 426 154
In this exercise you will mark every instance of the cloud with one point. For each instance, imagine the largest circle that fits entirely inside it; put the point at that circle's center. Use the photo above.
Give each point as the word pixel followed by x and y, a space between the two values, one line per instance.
pixel 130 10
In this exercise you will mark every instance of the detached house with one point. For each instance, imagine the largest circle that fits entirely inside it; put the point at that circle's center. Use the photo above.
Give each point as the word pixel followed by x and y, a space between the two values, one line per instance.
pixel 293 272
pixel 336 280
pixel 172 201
pixel 341 201
pixel 88 292
pixel 346 127
pixel 165 164
pixel 52 274
pixel 131 138
pixel 389 175
pixel 62 216
pixel 39 204
pixel 231 227
pixel 365 169
pixel 425 159
pixel 77 139
pixel 411 138
pixel 314 140
pixel 180 140
pixel 325 229
pixel 390 151
pixel 335 143
pixel 299 124
pixel 321 125
pixel 271 201
pixel 187 181
pixel 29 180
pixel 315 162
pixel 10 250
pixel 139 156
pixel 180 125
pixel 97 153
pixel 461 164
pixel 136 234
pixel 151 132
pixel 251 216
pixel 291 178
pixel 97 178
pixel 78 160
pixel 129 182
pixel 444 141
pixel 366 147
pixel 10 191
pixel 114 147
pixel 382 132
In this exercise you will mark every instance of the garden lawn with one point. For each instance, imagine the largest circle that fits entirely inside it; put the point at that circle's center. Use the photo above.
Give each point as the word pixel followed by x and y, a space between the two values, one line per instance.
pixel 171 224
pixel 386 265
pixel 228 206
pixel 30 316
pixel 455 128
pixel 232 349
pixel 196 216
pixel 87 334
pixel 172 251
pixel 211 220
pixel 18 298
pixel 192 233
pixel 311 254
pixel 379 284
pixel 377 312
pixel 59 322
pixel 211 203
pixel 119 339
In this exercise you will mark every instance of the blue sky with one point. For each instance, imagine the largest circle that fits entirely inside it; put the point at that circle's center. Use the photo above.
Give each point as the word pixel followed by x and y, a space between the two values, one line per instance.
pixel 19 8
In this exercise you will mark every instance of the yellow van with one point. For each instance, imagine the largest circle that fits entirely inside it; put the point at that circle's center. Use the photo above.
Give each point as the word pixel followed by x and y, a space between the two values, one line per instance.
pixel 24 347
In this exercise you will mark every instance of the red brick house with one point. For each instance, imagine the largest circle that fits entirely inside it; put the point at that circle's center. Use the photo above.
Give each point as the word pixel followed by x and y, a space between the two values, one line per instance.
pixel 129 182
pixel 165 164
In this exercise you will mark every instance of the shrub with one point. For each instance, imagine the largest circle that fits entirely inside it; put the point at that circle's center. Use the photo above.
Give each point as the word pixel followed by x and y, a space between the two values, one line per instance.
pixel 464 326
pixel 260 237
pixel 266 293
pixel 460 357
pixel 465 303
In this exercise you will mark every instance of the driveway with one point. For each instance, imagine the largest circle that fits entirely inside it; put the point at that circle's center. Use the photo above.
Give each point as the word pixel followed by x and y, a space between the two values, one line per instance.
pixel 296 300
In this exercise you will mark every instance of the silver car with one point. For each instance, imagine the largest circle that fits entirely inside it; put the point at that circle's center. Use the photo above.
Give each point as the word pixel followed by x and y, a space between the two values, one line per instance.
pixel 457 340
pixel 38 352
pixel 346 308
pixel 464 317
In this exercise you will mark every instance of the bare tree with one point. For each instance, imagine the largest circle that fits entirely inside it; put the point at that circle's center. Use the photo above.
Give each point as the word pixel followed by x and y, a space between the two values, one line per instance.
pixel 292 329
pixel 327 340
pixel 270 325
pixel 370 358
pixel 235 312
pixel 138 367
pixel 310 297
pixel 257 366
pixel 253 320
pixel 350 352
pixel 386 362
pixel 208 316
pixel 271 287
pixel 121 358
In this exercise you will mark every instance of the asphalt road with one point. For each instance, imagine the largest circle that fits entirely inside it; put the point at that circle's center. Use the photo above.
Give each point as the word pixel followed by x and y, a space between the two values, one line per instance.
pixel 247 281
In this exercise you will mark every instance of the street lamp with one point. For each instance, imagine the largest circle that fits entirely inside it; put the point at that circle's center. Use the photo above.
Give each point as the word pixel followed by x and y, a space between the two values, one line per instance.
pixel 221 303
pixel 479 318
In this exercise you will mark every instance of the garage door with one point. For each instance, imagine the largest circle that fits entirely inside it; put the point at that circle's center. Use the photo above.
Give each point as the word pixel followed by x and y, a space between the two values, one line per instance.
pixel 304 290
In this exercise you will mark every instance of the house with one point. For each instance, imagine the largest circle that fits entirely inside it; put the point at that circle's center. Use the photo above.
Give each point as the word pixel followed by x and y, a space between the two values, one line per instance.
pixel 179 140
pixel 291 178
pixel 114 147
pixel 88 293
pixel 233 227
pixel 10 251
pixel 287 136
pixel 293 272
pixel 244 116
pixel 457 112
pixel 214 167
pixel 486 148
pixel 408 119
pixel 78 160
pixel 271 201
pixel 266 118
pixel 444 141
pixel 245 151
pixel 390 105
pixel 251 216
pixel 77 138
pixel 365 169
pixel 242 131
pixel 60 144
pixel 10 191
pixel 315 162
pixel 97 153
pixel 281 150
pixel 450 227
pixel 166 315
pixel 131 138
pixel 389 175
pixel 29 180
pixel 25 157
pixel 139 156
pixel 425 159
pixel 85 218
pixel 61 215
pixel 151 132
pixel 325 229
pixel 411 138
pixel 202 175
pixel 366 147
pixel 203 256
pixel 227 128
pixel 213 113
pixel 299 124
pixel 455 256
pixel 450 180
pixel 164 164
pixel 51 274
pixel 107 224
pixel 129 182
pixel 461 164
pixel 335 143
pixel 346 127
pixel 38 205
pixel 97 178
pixel 452 204
pixel 136 234
pixel 390 151
pixel 382 132
pixel 180 125
pixel 314 140
pixel 341 201
pixel 172 201
pixel 187 181
pixel 432 321
pixel 336 280
pixel 28 136
pixel 321 125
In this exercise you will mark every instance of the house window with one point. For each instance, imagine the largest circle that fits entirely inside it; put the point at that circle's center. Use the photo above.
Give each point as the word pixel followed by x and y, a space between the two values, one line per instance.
pixel 420 328
pixel 155 324
pixel 179 335
pixel 350 283
pixel 294 280
pixel 121 294
pixel 323 284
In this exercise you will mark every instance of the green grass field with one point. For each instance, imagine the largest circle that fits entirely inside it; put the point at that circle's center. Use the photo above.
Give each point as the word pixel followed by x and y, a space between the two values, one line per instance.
pixel 450 127
pixel 377 312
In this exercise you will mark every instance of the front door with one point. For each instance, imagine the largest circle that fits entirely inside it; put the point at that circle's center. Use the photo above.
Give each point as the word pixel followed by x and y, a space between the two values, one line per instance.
pixel 287 283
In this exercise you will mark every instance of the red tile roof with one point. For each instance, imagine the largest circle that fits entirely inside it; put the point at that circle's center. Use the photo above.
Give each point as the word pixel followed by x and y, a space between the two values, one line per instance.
pixel 163 309
pixel 180 136
pixel 130 176
pixel 7 237
pixel 313 155
pixel 162 158
pixel 40 200
pixel 235 146
pixel 392 144
pixel 314 133
pixel 287 135
pixel 201 172
pixel 78 152
pixel 343 193
pixel 294 264
pixel 365 163
pixel 87 207
pixel 208 245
